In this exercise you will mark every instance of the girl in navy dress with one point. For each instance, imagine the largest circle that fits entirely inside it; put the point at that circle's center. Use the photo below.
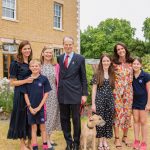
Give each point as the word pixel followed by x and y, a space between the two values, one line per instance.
pixel 141 104
pixel 103 100
pixel 19 71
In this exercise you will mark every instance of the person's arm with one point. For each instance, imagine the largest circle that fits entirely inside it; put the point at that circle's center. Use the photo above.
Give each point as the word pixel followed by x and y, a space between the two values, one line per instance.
pixel 14 67
pixel 42 102
pixel 147 108
pixel 15 82
pixel 94 89
pixel 83 81
pixel 28 104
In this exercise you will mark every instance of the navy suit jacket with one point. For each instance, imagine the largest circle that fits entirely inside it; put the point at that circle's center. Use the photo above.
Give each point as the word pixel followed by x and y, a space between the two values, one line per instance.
pixel 72 80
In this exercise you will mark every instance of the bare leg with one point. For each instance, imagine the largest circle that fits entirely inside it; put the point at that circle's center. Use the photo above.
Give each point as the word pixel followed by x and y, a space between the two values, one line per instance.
pixel 49 141
pixel 43 132
pixel 22 145
pixel 34 132
pixel 29 144
pixel 100 146
pixel 125 138
pixel 143 121
pixel 136 117
pixel 105 144
pixel 117 139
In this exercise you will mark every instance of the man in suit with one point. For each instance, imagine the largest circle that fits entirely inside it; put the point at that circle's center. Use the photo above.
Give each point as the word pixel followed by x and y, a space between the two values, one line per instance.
pixel 72 91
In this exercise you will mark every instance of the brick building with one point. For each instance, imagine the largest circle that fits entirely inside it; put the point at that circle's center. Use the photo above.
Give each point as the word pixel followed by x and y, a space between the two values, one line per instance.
pixel 42 22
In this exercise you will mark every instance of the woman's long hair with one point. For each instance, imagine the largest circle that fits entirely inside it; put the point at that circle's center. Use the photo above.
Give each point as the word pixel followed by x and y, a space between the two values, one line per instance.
pixel 53 62
pixel 19 55
pixel 100 72
pixel 116 56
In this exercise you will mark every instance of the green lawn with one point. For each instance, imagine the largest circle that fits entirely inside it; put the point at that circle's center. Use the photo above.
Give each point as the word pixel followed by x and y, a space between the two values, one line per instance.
pixel 6 144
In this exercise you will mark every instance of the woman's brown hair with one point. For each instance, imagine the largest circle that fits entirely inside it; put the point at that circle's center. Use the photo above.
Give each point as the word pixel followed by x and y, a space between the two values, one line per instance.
pixel 19 55
pixel 100 72
pixel 53 62
pixel 116 56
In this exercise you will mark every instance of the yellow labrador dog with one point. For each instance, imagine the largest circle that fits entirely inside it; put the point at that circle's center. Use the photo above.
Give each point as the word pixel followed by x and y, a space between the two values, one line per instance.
pixel 88 131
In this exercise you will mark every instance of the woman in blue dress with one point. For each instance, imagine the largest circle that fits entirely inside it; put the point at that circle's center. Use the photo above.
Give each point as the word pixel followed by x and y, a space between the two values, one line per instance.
pixel 19 75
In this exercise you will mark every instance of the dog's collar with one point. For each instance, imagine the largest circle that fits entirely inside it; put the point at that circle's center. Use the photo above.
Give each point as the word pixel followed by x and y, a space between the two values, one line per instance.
pixel 90 127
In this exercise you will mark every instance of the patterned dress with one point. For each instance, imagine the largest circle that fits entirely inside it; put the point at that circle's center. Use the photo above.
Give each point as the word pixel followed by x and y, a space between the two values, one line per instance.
pixel 104 102
pixel 123 94
pixel 52 106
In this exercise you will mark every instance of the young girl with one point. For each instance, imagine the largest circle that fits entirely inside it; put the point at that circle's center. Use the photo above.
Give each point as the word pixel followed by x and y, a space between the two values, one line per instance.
pixel 141 103
pixel 102 99
pixel 51 70
pixel 36 94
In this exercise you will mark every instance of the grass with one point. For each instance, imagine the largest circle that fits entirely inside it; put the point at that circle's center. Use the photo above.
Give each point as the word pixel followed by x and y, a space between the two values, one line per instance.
pixel 6 144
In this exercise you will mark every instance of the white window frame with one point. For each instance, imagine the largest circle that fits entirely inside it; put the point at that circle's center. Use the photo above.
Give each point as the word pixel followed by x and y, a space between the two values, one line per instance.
pixel 57 17
pixel 56 51
pixel 7 5
pixel 10 48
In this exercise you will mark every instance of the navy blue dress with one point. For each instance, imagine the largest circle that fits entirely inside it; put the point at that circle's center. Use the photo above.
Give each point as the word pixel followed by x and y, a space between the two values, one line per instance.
pixel 19 127
pixel 139 91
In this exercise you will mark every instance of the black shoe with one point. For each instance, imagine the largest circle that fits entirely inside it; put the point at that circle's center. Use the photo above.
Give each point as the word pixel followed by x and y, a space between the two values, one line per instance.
pixel 75 147
pixel 69 147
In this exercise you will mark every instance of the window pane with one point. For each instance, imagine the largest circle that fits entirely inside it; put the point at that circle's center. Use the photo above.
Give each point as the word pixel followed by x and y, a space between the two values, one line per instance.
pixel 57 15
pixel 8 8
pixel 57 52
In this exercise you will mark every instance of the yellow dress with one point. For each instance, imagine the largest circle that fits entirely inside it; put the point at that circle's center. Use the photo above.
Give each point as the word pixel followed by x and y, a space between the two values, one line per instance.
pixel 123 94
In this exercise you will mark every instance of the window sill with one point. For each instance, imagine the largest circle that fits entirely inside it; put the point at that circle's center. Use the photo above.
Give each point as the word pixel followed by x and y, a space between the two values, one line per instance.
pixel 10 19
pixel 58 29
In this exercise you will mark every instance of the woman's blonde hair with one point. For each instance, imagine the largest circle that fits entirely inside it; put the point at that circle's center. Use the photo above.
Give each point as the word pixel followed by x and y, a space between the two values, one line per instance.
pixel 53 61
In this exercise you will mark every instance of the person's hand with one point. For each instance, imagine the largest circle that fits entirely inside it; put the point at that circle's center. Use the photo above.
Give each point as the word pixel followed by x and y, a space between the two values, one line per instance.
pixel 29 80
pixel 37 109
pixel 83 99
pixel 147 108
pixel 93 108
pixel 32 111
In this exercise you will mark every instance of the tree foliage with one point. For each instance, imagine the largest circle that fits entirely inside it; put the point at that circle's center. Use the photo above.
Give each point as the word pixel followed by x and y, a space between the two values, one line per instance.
pixel 146 29
pixel 94 41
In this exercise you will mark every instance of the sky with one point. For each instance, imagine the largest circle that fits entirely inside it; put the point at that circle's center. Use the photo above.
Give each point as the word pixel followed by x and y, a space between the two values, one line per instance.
pixel 92 12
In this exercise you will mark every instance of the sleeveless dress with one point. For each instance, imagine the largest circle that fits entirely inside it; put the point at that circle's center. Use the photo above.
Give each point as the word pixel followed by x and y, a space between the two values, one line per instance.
pixel 19 127
pixel 104 102
pixel 52 105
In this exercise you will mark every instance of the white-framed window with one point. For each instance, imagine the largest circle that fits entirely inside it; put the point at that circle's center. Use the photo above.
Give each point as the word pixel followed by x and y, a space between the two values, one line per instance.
pixel 9 9
pixel 57 15
pixel 10 48
pixel 57 51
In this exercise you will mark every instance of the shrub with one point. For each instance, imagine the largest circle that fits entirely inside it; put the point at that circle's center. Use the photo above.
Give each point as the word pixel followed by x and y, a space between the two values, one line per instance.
pixel 6 95
pixel 146 62
pixel 89 74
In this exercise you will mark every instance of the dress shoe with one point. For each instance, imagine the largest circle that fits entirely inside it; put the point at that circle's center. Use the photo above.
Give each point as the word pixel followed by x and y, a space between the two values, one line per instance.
pixel 69 147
